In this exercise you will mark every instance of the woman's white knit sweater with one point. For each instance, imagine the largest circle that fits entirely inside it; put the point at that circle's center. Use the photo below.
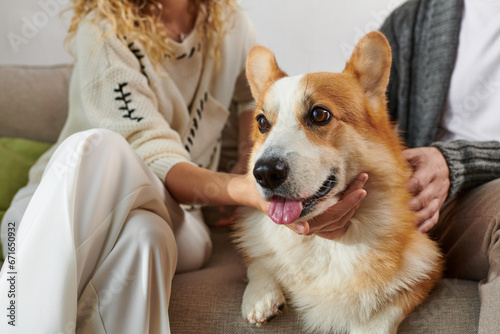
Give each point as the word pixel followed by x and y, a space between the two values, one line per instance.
pixel 169 114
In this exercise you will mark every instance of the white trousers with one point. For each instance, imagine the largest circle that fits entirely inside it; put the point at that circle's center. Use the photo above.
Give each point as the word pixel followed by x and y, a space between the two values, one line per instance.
pixel 97 244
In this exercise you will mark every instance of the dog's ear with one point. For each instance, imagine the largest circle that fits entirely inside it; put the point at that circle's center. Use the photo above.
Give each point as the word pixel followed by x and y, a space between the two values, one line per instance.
pixel 370 63
pixel 262 69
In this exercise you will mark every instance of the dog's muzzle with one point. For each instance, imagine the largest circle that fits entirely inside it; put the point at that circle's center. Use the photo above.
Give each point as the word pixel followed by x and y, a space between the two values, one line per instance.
pixel 270 173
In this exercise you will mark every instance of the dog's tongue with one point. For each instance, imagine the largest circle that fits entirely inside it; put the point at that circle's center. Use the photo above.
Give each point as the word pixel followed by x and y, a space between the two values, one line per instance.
pixel 284 210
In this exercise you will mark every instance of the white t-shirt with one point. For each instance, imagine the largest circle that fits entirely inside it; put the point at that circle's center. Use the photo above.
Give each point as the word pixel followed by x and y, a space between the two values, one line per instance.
pixel 472 110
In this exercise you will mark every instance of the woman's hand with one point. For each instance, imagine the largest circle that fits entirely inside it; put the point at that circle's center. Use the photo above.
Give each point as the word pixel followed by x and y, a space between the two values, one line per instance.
pixel 190 184
pixel 335 221
pixel 230 214
pixel 429 184
pixel 249 196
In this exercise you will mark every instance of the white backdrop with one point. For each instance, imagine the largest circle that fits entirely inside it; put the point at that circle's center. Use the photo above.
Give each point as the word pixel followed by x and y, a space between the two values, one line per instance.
pixel 32 32
pixel 307 36
pixel 315 35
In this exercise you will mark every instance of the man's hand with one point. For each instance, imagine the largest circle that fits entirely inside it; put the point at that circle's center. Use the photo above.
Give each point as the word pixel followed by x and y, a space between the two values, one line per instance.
pixel 429 184
pixel 335 221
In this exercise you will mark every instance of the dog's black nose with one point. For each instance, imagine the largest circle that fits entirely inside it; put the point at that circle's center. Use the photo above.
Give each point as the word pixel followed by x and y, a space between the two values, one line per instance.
pixel 270 173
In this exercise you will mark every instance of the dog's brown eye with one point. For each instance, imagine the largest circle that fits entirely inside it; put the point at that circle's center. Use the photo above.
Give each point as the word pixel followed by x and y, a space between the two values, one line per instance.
pixel 262 123
pixel 320 115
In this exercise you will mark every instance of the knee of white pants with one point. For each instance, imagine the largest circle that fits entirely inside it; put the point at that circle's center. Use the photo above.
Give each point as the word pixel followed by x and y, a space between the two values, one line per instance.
pixel 193 243
pixel 99 151
pixel 148 235
pixel 96 136
pixel 89 143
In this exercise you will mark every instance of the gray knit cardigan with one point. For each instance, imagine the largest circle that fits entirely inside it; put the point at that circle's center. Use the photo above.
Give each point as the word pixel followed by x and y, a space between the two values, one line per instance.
pixel 424 35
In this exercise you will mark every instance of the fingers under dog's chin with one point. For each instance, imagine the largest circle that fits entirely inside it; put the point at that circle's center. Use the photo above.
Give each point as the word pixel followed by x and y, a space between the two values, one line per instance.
pixel 424 228
pixel 357 184
pixel 303 228
pixel 293 227
pixel 333 234
pixel 424 214
pixel 427 225
pixel 342 225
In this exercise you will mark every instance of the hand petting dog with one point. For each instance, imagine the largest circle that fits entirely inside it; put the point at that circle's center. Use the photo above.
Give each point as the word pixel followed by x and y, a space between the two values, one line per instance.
pixel 429 184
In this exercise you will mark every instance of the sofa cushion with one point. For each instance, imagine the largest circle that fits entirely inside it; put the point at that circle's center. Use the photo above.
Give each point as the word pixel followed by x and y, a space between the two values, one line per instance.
pixel 209 300
pixel 34 101
pixel 18 155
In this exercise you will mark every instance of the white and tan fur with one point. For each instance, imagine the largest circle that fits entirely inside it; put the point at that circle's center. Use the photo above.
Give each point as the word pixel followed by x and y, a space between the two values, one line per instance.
pixel 374 275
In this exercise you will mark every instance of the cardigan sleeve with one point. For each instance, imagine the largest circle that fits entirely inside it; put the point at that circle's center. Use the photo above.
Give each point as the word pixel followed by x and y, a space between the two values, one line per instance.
pixel 120 100
pixel 115 94
pixel 470 163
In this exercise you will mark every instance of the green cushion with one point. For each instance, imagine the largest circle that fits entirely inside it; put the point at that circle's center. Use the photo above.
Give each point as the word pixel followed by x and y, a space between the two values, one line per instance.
pixel 17 155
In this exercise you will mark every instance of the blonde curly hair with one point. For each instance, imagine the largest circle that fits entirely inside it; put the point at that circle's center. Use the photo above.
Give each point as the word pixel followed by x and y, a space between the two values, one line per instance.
pixel 141 20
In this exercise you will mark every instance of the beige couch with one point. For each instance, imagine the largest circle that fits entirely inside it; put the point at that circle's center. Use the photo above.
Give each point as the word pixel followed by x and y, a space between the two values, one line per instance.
pixel 33 104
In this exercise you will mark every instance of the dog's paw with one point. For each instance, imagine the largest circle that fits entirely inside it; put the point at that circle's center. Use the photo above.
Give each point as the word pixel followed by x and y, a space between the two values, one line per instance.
pixel 259 307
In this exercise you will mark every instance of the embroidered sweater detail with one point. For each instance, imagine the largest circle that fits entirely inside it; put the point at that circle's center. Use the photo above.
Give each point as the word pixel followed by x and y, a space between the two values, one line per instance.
pixel 137 53
pixel 190 54
pixel 124 97
pixel 198 117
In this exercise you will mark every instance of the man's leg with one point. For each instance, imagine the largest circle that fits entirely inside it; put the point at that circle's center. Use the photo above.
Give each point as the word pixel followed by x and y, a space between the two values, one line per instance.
pixel 469 234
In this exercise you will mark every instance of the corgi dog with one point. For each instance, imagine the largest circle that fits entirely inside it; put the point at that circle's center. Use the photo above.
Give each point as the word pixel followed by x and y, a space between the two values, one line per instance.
pixel 314 134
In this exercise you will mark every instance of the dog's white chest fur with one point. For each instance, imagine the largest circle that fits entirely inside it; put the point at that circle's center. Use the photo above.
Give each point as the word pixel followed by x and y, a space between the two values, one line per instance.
pixel 309 270
pixel 317 276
